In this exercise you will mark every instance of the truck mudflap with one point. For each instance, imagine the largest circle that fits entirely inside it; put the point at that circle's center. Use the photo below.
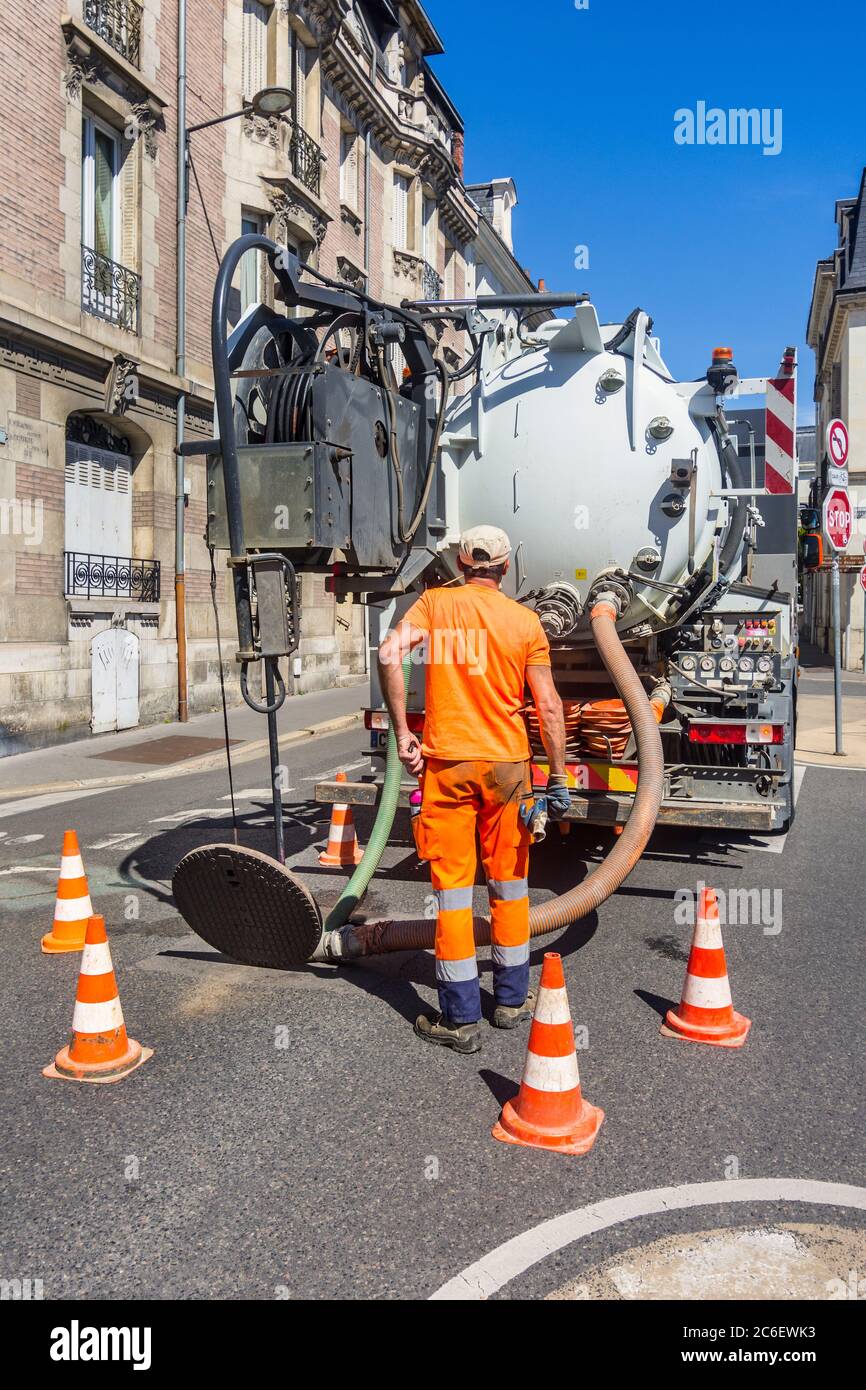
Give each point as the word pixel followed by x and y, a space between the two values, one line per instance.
pixel 612 807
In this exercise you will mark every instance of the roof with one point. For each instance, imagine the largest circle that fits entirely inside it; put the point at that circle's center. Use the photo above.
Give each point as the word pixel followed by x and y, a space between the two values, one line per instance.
pixel 442 96
pixel 856 276
pixel 425 26
pixel 850 212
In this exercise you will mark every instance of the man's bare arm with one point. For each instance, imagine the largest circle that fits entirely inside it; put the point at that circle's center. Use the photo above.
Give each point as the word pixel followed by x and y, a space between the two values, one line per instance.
pixel 392 651
pixel 551 718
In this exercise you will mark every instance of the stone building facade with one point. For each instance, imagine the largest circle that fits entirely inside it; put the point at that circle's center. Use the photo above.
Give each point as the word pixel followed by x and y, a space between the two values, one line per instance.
pixel 836 332
pixel 363 178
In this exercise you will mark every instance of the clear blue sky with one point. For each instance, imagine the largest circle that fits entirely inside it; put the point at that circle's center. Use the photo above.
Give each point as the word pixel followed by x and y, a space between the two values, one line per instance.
pixel 718 243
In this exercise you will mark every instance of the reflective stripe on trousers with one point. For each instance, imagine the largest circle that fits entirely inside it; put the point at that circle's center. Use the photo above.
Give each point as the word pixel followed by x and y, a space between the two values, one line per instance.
pixel 459 800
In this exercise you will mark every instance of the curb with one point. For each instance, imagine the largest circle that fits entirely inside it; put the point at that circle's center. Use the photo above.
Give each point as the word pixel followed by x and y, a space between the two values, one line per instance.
pixel 206 762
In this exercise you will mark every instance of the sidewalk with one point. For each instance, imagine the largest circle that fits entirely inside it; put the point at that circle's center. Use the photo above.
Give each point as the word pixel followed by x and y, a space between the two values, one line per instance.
pixel 170 750
pixel 816 732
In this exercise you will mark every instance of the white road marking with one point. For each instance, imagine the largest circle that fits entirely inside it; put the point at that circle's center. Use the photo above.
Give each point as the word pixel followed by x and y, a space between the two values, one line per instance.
pixel 26 869
pixel 323 776
pixel 488 1275
pixel 202 813
pixel 114 841
pixel 36 803
pixel 257 794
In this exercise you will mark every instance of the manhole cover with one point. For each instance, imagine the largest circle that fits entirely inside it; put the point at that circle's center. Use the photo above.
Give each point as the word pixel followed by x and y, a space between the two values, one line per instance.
pixel 171 749
pixel 248 906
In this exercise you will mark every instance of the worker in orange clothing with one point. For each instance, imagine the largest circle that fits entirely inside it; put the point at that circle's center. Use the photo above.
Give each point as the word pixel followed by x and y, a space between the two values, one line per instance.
pixel 482 650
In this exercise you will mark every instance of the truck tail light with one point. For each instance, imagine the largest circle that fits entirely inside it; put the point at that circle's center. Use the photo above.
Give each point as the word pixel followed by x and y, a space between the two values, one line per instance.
pixel 736 733
pixel 380 719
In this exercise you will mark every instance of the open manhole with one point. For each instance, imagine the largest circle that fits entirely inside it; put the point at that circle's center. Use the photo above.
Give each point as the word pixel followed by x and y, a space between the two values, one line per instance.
pixel 246 905
pixel 171 749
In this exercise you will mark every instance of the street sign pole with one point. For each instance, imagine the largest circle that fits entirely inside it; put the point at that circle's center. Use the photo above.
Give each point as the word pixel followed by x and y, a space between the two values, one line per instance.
pixel 838 522
pixel 837 655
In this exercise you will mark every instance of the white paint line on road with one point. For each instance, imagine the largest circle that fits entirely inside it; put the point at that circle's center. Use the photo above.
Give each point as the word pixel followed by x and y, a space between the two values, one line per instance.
pixel 202 813
pixel 27 869
pixel 323 776
pixel 37 803
pixel 488 1275
pixel 116 841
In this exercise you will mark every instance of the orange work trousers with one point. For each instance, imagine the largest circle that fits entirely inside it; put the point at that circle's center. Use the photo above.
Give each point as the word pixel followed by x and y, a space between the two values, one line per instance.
pixel 460 800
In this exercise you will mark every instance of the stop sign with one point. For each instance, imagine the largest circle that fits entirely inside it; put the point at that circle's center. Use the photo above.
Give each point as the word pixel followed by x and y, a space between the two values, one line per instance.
pixel 863 577
pixel 838 520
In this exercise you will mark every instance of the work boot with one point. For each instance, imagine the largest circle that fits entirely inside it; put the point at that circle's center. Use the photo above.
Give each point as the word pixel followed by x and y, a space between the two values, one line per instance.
pixel 505 1016
pixel 435 1028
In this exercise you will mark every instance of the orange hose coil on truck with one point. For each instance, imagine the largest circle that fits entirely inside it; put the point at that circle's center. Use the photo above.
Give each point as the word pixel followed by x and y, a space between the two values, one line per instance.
pixel 598 729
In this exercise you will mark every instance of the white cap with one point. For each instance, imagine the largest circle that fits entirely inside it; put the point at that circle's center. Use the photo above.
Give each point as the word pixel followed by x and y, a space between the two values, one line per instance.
pixel 490 545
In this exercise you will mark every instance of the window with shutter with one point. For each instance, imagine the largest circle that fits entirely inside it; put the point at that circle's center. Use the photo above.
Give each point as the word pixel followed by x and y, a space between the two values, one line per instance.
pixel 255 47
pixel 401 211
pixel 428 241
pixel 299 80
pixel 349 168
pixel 251 264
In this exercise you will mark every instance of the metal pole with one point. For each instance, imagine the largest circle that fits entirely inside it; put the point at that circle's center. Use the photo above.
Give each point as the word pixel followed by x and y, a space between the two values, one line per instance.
pixel 274 745
pixel 837 654
pixel 180 369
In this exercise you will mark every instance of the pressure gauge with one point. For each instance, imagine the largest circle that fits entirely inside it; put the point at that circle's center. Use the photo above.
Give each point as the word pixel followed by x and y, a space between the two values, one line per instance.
pixel 688 663
pixel 765 665
pixel 726 665
pixel 708 664
pixel 747 664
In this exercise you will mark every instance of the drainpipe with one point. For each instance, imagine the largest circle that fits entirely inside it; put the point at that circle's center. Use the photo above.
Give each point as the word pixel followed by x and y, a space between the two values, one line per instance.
pixel 180 368
pixel 367 149
pixel 368 145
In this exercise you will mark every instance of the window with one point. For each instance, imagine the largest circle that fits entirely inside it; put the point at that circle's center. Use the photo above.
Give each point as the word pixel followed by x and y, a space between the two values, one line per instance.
pixel 349 168
pixel 428 236
pixel 100 194
pixel 450 272
pixel 299 67
pixel 255 47
pixel 251 263
pixel 401 211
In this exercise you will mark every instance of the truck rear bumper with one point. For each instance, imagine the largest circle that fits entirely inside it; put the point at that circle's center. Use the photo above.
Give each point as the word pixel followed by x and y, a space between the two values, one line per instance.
pixel 606 808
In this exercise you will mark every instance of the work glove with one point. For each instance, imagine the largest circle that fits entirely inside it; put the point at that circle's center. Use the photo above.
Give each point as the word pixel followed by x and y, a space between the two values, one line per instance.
pixel 558 797
pixel 534 816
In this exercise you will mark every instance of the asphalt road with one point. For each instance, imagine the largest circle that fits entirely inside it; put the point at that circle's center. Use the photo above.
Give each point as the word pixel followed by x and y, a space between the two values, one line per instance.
pixel 291 1138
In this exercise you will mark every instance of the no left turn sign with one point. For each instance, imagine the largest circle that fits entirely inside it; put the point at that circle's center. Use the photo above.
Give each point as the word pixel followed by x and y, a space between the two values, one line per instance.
pixel 837 443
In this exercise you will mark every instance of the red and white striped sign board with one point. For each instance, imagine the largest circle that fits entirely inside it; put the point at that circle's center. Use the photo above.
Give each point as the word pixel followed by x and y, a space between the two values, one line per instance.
pixel 781 456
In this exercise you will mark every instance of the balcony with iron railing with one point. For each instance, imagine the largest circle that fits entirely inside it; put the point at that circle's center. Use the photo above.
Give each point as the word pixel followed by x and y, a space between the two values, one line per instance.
pixel 110 291
pixel 117 23
pixel 306 159
pixel 111 576
pixel 431 282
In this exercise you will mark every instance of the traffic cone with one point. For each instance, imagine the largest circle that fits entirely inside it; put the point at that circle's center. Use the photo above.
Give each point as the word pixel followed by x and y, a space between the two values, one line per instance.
pixel 550 1111
pixel 98 1048
pixel 706 1013
pixel 73 906
pixel 343 849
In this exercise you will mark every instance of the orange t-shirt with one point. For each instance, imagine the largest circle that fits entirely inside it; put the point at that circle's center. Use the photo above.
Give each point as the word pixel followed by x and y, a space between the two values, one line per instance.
pixel 478 647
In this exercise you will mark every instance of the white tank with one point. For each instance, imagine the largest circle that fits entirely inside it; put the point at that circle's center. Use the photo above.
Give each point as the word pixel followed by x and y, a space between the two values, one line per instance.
pixel 548 447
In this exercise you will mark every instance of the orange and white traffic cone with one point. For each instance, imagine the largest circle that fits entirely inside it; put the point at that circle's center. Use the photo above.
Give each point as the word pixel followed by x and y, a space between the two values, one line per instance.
pixel 343 849
pixel 706 1012
pixel 98 1049
pixel 549 1111
pixel 73 905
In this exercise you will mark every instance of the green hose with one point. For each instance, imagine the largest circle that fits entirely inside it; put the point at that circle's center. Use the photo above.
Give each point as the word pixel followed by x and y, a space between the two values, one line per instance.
pixel 357 886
